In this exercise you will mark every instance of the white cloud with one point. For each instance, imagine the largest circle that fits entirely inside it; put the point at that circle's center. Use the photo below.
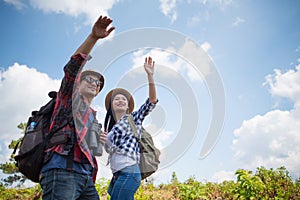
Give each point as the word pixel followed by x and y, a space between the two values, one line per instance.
pixel 166 59
pixel 163 176
pixel 221 176
pixel 91 9
pixel 159 56
pixel 272 139
pixel 206 46
pixel 222 4
pixel 176 62
pixel 17 3
pixel 286 84
pixel 22 90
pixel 168 7
pixel 194 21
pixel 238 21
pixel 202 61
pixel 163 139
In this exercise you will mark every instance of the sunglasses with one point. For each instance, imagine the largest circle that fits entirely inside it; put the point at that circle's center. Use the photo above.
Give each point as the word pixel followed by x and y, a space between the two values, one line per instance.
pixel 90 80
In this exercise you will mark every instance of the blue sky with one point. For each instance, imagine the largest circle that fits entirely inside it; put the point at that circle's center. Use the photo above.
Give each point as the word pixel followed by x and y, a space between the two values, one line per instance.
pixel 242 56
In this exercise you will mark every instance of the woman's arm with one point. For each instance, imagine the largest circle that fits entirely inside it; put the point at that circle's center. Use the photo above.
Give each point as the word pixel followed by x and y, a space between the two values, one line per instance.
pixel 149 68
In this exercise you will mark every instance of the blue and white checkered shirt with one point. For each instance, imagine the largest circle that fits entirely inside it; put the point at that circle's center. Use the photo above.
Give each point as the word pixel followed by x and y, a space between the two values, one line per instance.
pixel 121 140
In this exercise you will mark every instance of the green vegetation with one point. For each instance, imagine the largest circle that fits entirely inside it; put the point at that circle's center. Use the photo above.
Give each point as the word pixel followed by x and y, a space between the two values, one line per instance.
pixel 263 184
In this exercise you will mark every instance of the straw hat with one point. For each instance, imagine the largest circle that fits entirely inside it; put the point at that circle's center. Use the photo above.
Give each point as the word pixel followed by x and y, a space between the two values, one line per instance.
pixel 116 91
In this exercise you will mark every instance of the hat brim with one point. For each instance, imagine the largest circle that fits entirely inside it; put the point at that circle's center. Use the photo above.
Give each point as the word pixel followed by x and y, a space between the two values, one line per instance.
pixel 116 91
pixel 93 73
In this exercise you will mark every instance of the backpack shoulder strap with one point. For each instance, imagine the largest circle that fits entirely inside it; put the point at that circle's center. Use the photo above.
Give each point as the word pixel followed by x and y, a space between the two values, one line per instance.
pixel 133 127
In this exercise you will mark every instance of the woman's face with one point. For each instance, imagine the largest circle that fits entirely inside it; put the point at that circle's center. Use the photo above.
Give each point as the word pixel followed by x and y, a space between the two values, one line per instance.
pixel 120 103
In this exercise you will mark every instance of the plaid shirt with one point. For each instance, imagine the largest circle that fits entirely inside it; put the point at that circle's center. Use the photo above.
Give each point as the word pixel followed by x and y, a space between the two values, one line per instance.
pixel 66 99
pixel 121 138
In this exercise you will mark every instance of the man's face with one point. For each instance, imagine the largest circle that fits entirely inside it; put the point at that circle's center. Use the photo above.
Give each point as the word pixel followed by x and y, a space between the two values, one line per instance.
pixel 89 86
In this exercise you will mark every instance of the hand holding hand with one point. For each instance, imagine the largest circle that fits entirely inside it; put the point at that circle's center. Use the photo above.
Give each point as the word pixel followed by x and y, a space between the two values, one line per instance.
pixel 100 27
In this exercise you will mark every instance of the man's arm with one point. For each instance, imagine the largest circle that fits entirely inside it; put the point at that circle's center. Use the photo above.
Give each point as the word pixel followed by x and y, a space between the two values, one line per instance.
pixel 98 31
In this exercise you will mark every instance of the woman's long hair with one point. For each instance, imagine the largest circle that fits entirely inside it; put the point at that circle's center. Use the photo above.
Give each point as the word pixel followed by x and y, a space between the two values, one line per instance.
pixel 109 121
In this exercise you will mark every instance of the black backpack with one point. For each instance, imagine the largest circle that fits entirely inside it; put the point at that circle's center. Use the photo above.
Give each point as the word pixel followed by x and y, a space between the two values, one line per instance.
pixel 149 154
pixel 30 157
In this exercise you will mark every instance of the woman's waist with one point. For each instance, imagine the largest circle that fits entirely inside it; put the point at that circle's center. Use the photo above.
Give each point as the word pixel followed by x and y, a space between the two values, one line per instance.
pixel 120 161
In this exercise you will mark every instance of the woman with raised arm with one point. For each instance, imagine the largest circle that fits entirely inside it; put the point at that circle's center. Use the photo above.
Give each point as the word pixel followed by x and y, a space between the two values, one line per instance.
pixel 121 143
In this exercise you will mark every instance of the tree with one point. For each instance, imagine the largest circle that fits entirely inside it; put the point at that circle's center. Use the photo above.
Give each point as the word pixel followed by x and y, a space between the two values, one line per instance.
pixel 10 167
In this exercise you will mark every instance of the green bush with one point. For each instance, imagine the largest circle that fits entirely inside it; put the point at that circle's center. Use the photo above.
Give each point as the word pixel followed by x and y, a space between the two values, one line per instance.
pixel 263 184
